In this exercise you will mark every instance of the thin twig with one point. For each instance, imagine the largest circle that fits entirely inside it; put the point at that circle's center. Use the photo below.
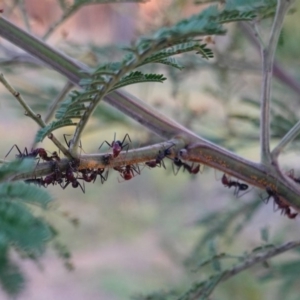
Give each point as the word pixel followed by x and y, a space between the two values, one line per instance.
pixel 57 100
pixel 268 55
pixel 248 263
pixel 25 15
pixel 66 14
pixel 278 71
pixel 30 113
pixel 289 137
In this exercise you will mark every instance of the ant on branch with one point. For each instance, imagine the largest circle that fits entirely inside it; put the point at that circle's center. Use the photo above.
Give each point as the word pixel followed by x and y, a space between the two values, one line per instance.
pixel 117 146
pixel 128 172
pixel 291 174
pixel 90 175
pixel 34 153
pixel 238 186
pixel 179 163
pixel 158 161
pixel 70 178
pixel 285 209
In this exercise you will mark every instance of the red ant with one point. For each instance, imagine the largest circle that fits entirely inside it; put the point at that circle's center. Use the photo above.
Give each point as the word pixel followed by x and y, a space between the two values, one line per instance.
pixel 158 162
pixel 128 172
pixel 33 154
pixel 179 163
pixel 55 156
pixel 285 209
pixel 117 146
pixel 70 178
pixel 238 186
pixel 89 175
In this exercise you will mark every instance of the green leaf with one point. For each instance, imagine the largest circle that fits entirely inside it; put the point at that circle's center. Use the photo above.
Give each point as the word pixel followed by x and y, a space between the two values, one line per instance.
pixel 15 166
pixel 25 193
pixel 20 228
pixel 264 233
pixel 43 132
pixel 138 77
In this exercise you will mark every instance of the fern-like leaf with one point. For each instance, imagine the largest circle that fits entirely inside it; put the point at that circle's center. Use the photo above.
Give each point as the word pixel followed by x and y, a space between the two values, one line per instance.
pixel 43 132
pixel 138 77
pixel 21 229
pixel 19 165
pixel 25 193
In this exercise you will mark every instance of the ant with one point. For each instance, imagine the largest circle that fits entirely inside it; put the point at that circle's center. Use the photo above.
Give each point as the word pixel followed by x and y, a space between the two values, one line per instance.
pixel 128 172
pixel 55 156
pixel 292 176
pixel 238 186
pixel 54 177
pixel 33 154
pixel 158 161
pixel 89 175
pixel 36 181
pixel 70 178
pixel 117 146
pixel 179 163
pixel 285 209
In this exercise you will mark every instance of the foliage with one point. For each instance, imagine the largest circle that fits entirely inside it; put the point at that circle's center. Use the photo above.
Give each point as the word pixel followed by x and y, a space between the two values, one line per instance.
pixel 144 61
pixel 20 229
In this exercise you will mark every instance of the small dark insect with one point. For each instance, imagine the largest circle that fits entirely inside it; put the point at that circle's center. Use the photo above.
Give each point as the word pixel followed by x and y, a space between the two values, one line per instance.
pixel 70 178
pixel 179 163
pixel 292 176
pixel 55 156
pixel 128 172
pixel 33 154
pixel 36 181
pixel 158 161
pixel 118 146
pixel 238 186
pixel 89 175
pixel 285 209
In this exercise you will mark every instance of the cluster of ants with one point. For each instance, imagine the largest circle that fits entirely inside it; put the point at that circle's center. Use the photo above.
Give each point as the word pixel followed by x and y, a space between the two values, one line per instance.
pixel 285 209
pixel 127 172
pixel 72 176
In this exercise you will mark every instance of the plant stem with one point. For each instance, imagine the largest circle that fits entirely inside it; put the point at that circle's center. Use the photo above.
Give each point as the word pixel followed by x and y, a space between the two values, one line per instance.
pixel 278 71
pixel 51 110
pixel 25 15
pixel 289 137
pixel 268 55
pixel 246 264
pixel 30 113
pixel 203 150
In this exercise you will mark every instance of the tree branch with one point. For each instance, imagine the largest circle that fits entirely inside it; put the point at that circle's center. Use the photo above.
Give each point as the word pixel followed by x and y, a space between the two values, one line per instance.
pixel 268 55
pixel 246 264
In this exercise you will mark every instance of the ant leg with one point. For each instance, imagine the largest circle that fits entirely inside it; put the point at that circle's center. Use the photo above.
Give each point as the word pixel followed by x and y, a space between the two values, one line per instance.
pixel 110 145
pixel 174 171
pixel 136 168
pixel 82 188
pixel 67 143
pixel 15 145
pixel 126 135
pixel 163 164
pixel 67 183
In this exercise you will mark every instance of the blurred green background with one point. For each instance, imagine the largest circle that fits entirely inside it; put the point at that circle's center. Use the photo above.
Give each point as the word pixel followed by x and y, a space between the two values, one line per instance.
pixel 134 237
